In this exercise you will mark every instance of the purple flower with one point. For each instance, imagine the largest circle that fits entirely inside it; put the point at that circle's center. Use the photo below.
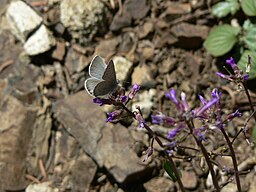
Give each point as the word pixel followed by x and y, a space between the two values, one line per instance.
pixel 231 116
pixel 238 75
pixel 135 89
pixel 198 133
pixel 123 98
pixel 172 133
pixel 172 96
pixel 140 119
pixel 149 153
pixel 246 77
pixel 113 115
pixel 160 118
pixel 232 63
pixel 102 101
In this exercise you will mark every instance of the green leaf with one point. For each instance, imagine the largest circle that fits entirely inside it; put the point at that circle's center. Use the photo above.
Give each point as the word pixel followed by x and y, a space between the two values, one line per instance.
pixel 222 9
pixel 250 39
pixel 244 60
pixel 221 39
pixel 168 168
pixel 249 7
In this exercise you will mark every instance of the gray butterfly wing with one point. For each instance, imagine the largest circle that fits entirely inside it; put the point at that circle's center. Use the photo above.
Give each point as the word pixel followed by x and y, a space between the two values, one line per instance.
pixel 110 73
pixel 104 88
pixel 109 85
pixel 90 85
pixel 97 67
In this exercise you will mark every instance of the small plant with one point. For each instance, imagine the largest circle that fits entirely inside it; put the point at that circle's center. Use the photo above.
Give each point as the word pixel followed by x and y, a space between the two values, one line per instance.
pixel 182 126
pixel 225 37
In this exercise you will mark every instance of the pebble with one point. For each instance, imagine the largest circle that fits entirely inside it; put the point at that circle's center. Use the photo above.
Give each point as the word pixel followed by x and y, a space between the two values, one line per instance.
pixel 22 19
pixel 41 41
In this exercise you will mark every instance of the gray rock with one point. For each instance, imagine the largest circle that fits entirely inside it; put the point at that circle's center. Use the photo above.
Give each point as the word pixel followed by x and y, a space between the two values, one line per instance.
pixel 83 18
pixel 41 41
pixel 190 36
pixel 123 68
pixel 25 127
pixel 108 145
pixel 41 187
pixel 22 19
pixel 160 184
pixel 189 179
pixel 143 76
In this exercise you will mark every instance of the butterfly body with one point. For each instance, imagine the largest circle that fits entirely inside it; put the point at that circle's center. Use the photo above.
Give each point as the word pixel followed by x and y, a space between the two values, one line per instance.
pixel 102 81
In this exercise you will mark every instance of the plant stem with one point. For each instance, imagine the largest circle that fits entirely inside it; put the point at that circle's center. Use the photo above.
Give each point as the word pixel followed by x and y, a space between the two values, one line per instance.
pixel 175 170
pixel 249 99
pixel 233 156
pixel 206 156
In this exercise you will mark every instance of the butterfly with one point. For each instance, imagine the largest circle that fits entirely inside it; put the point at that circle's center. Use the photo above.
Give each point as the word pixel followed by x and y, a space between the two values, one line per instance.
pixel 102 81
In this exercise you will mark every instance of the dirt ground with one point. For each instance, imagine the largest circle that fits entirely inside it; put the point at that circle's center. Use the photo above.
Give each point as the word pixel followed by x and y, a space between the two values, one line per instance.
pixel 54 138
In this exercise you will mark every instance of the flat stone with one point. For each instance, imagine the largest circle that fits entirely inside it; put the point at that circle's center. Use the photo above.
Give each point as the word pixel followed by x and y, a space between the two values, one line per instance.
pixel 143 76
pixel 41 41
pixel 129 12
pixel 100 139
pixel 190 36
pixel 81 172
pixel 25 127
pixel 123 68
pixel 41 187
pixel 22 19
pixel 189 179
pixel 176 9
pixel 159 184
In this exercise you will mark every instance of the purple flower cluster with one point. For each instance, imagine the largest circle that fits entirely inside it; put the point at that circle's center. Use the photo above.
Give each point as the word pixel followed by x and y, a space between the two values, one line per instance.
pixel 118 99
pixel 209 114
pixel 238 75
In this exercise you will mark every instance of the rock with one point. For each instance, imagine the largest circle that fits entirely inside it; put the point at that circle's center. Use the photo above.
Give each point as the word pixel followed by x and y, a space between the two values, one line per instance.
pixel 145 29
pixel 143 76
pixel 99 139
pixel 83 18
pixel 81 173
pixel 176 9
pixel 145 101
pixel 41 41
pixel 107 47
pixel 23 20
pixel 41 187
pixel 76 62
pixel 229 187
pixel 189 179
pixel 190 36
pixel 167 65
pixel 146 49
pixel 25 125
pixel 59 51
pixel 159 184
pixel 123 68
pixel 129 12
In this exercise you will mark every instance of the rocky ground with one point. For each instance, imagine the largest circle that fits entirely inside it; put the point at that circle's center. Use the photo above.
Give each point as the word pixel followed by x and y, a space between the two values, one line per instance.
pixel 53 138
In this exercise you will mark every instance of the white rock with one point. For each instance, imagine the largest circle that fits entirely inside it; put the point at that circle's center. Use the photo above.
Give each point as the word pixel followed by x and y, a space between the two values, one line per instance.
pixel 41 187
pixel 41 41
pixel 123 68
pixel 144 101
pixel 22 19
